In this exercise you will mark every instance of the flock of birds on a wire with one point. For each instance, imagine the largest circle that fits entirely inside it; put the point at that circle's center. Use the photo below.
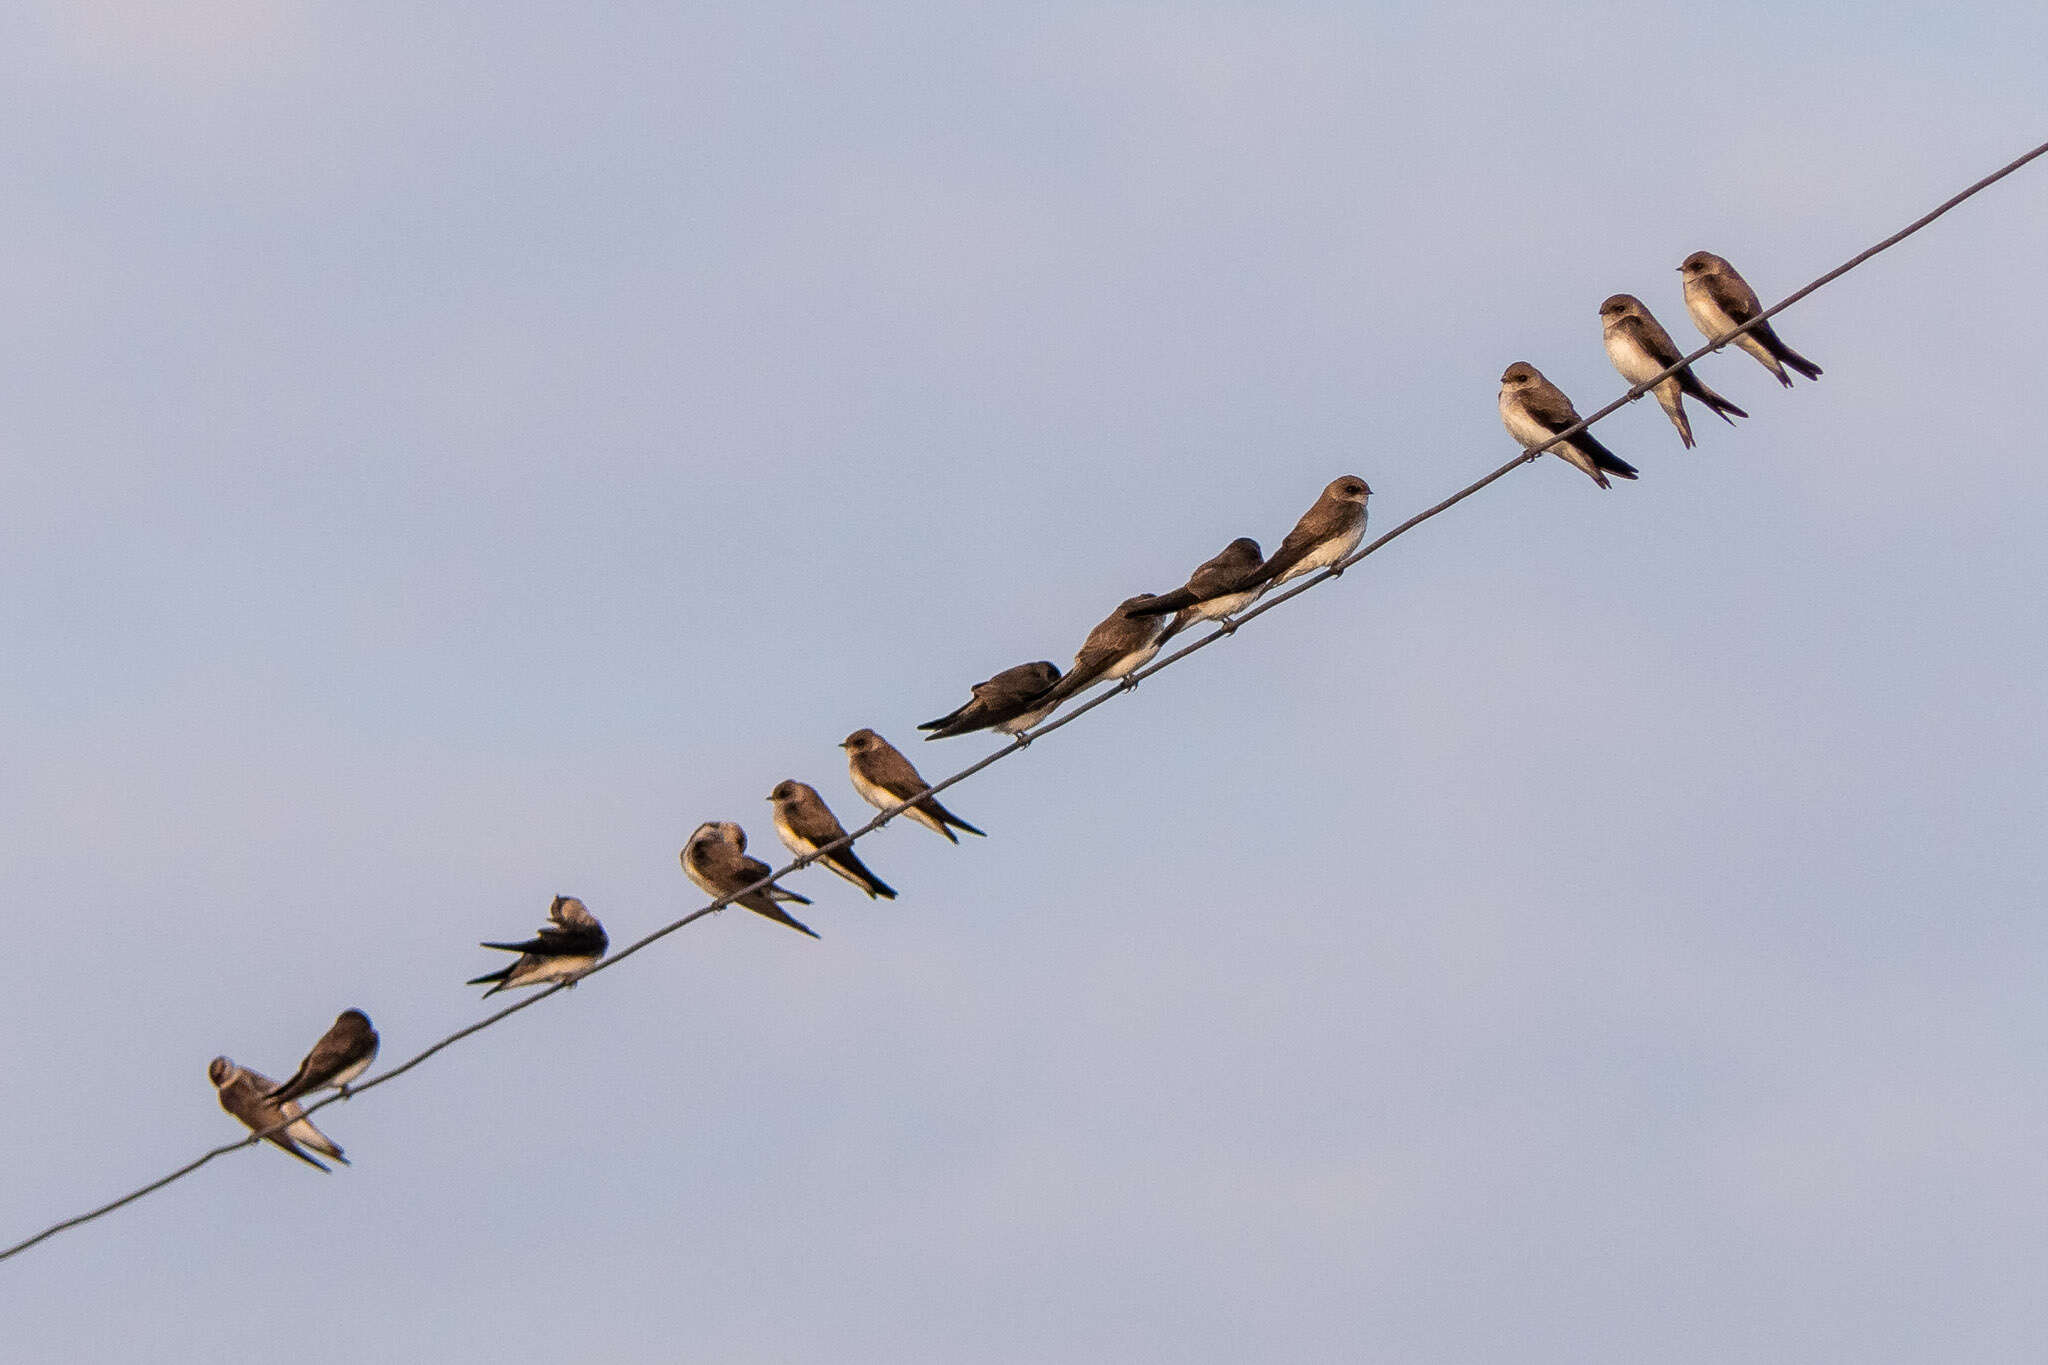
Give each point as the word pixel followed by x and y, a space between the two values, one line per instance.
pixel 1533 410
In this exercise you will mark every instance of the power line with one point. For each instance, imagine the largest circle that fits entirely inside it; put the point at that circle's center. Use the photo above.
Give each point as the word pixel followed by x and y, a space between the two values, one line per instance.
pixel 1023 741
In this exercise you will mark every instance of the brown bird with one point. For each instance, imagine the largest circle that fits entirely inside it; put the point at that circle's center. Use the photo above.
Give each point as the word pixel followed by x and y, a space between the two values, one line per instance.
pixel 343 1053
pixel 1216 591
pixel 569 945
pixel 1533 410
pixel 1012 700
pixel 1119 645
pixel 1326 533
pixel 806 824
pixel 1720 300
pixel 242 1094
pixel 1641 349
pixel 885 778
pixel 715 858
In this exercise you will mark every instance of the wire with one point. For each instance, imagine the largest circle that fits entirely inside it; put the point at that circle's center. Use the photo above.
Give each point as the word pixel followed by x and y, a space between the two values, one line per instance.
pixel 1024 740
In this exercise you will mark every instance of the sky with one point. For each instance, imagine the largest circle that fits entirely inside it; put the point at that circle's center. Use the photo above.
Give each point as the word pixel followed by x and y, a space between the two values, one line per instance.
pixel 451 452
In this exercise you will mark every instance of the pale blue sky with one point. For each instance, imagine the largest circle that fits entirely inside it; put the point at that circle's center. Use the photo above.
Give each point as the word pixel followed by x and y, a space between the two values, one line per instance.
pixel 449 454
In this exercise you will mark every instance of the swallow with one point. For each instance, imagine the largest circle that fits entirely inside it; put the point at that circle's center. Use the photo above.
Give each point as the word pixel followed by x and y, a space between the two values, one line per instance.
pixel 884 778
pixel 1329 531
pixel 1640 348
pixel 1720 300
pixel 1119 646
pixel 564 949
pixel 806 824
pixel 1533 410
pixel 1218 590
pixel 715 858
pixel 343 1053
pixel 242 1094
pixel 1008 702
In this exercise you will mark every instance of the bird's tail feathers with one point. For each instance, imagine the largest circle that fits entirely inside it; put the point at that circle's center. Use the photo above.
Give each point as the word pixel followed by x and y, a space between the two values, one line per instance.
pixel 1675 410
pixel 1613 464
pixel 303 1155
pixel 943 721
pixel 1161 603
pixel 1720 406
pixel 944 820
pixel 781 916
pixel 1799 362
pixel 849 866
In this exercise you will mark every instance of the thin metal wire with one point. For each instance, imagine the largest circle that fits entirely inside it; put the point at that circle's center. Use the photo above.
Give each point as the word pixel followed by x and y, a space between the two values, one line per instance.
pixel 1024 740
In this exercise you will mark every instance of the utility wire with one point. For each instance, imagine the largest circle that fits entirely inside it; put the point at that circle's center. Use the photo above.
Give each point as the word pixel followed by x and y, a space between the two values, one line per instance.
pixel 1024 740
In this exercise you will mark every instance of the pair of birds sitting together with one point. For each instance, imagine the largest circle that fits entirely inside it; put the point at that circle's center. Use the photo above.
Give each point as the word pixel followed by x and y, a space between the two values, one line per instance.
pixel 1718 300
pixel 264 1106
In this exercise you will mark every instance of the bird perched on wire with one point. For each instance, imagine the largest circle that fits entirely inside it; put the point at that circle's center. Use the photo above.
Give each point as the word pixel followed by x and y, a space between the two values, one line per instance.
pixel 570 944
pixel 1641 349
pixel 885 778
pixel 1217 590
pixel 1012 700
pixel 243 1093
pixel 1533 410
pixel 1118 646
pixel 1720 300
pixel 806 824
pixel 1328 532
pixel 343 1053
pixel 715 859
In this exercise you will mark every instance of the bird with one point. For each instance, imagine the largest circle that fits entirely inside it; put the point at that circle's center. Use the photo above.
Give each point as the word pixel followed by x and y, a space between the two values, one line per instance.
pixel 242 1093
pixel 1329 531
pixel 1641 349
pixel 564 949
pixel 715 858
pixel 1533 410
pixel 1008 702
pixel 806 824
pixel 1119 645
pixel 1720 300
pixel 1216 591
pixel 885 778
pixel 343 1053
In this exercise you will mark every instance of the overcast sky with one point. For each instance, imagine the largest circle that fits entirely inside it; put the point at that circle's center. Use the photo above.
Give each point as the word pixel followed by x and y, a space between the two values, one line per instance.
pixel 449 452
